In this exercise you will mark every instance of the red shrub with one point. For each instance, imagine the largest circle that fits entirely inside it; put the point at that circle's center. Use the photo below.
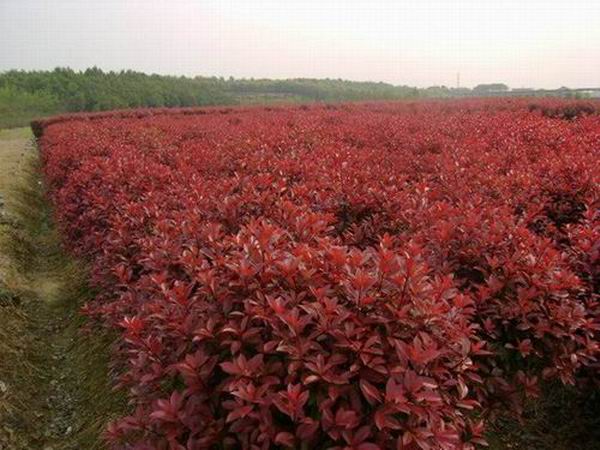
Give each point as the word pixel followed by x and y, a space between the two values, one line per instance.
pixel 359 277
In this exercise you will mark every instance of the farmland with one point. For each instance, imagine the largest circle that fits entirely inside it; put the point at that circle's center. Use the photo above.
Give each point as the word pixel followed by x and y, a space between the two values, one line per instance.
pixel 385 275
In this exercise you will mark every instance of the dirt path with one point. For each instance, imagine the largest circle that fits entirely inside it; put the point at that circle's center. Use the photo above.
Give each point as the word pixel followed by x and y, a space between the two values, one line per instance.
pixel 54 386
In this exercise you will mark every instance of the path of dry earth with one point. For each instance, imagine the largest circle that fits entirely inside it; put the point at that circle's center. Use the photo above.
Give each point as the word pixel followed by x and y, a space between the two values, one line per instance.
pixel 53 378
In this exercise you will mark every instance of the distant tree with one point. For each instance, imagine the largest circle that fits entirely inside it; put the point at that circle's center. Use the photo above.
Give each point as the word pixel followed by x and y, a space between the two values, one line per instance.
pixel 66 90
pixel 17 107
pixel 490 88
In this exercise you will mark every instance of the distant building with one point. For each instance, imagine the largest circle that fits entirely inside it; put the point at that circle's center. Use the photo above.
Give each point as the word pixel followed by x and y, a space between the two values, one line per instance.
pixel 490 89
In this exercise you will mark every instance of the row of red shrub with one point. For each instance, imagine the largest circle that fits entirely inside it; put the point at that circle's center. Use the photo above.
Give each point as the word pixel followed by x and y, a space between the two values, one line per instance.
pixel 548 108
pixel 358 276
pixel 38 126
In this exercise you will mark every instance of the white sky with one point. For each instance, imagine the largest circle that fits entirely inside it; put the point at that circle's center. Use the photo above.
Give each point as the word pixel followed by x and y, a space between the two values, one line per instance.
pixel 532 43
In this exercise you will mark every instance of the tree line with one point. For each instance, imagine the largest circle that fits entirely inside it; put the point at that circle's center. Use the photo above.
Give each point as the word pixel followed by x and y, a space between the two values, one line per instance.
pixel 25 95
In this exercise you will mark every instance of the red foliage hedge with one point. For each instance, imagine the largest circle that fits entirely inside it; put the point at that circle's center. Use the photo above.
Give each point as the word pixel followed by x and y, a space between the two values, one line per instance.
pixel 356 276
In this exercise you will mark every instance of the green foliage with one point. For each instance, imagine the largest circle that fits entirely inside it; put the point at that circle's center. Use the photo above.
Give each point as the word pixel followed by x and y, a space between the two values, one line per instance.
pixel 17 107
pixel 308 89
pixel 28 95
pixel 95 90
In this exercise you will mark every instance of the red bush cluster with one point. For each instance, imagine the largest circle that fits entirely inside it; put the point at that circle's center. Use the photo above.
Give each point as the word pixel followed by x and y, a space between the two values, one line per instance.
pixel 351 277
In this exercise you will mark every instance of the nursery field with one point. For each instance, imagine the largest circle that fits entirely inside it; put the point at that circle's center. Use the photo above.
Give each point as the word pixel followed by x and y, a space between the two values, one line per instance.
pixel 365 276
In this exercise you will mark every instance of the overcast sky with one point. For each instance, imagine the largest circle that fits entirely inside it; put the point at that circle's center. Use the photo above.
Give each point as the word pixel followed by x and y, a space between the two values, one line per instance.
pixel 524 43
